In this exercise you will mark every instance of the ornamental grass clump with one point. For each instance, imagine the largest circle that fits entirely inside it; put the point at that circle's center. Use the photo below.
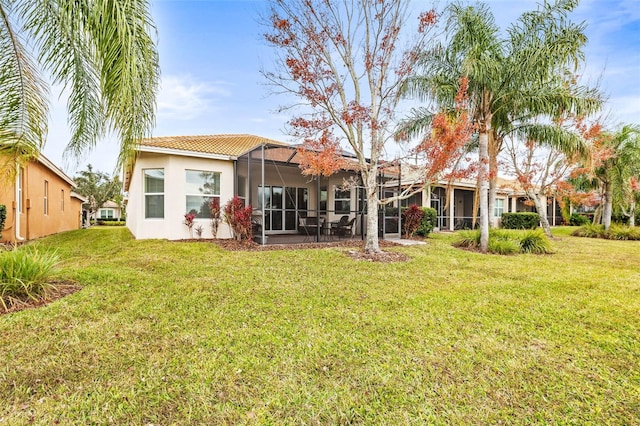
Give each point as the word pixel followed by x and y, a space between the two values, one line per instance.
pixel 24 275
pixel 535 242
pixel 621 232
pixel 589 230
pixel 505 242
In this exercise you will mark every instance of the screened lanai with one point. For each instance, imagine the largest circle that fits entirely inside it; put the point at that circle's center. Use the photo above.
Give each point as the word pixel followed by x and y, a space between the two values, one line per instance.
pixel 289 206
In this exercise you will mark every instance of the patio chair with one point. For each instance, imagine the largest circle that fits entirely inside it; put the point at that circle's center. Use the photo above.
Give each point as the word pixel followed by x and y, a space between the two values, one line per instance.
pixel 336 226
pixel 345 229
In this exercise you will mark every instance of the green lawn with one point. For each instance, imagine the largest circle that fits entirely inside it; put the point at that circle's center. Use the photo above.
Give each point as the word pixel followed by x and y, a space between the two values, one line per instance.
pixel 186 333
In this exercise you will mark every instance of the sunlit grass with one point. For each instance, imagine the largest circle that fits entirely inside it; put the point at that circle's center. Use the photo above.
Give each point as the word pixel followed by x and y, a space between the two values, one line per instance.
pixel 186 333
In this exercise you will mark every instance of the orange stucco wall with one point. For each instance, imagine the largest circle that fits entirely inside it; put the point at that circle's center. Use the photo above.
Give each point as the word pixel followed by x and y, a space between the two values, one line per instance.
pixel 63 211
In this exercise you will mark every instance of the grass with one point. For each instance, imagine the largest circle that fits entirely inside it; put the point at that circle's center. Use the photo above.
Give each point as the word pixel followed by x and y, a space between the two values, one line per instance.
pixel 185 333
pixel 24 275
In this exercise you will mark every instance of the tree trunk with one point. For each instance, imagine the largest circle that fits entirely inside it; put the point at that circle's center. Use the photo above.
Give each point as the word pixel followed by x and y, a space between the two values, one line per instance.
pixel 493 179
pixel 632 213
pixel 371 191
pixel 542 212
pixel 607 205
pixel 483 176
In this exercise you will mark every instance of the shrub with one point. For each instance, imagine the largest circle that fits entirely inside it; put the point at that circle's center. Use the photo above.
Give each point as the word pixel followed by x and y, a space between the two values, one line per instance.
pixel 621 232
pixel 214 208
pixel 535 241
pixel 119 223
pixel 188 221
pixel 24 273
pixel 411 220
pixel 238 218
pixel 3 217
pixel 577 219
pixel 526 220
pixel 589 230
pixel 507 241
pixel 428 222
pixel 467 239
pixel 503 246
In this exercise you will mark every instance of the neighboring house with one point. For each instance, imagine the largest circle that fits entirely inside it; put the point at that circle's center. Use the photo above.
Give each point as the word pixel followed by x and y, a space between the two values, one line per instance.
pixel 40 201
pixel 171 176
pixel 109 210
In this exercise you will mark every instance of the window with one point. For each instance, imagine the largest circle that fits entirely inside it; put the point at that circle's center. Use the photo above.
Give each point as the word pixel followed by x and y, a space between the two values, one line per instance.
pixel 153 193
pixel 499 208
pixel 201 188
pixel 323 199
pixel 62 200
pixel 46 197
pixel 20 178
pixel 342 201
pixel 106 213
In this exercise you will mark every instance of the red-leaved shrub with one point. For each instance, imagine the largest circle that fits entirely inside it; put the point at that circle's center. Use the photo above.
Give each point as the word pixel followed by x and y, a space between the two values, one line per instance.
pixel 238 218
pixel 411 219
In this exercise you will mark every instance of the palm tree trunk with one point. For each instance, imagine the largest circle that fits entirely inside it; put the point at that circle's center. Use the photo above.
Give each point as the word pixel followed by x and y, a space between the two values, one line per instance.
pixel 607 203
pixel 483 176
pixel 542 212
pixel 493 178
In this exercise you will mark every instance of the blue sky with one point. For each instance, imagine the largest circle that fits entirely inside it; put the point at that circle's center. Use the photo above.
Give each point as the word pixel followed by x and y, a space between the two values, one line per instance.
pixel 211 53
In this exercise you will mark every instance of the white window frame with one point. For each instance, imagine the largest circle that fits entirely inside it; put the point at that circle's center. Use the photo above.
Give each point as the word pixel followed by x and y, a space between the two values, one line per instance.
pixel 209 195
pixel 499 207
pixel 152 194
pixel 337 191
pixel 46 197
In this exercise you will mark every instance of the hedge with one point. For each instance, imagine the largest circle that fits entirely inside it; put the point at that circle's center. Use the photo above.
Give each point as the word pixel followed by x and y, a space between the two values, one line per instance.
pixel 526 220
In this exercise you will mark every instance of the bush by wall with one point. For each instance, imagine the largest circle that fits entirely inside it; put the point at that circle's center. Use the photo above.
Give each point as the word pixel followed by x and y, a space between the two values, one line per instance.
pixel 429 220
pixel 525 220
pixel 3 217
pixel 411 220
pixel 578 219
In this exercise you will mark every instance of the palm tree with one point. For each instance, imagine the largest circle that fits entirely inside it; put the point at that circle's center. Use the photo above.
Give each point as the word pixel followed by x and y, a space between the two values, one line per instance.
pixel 616 173
pixel 101 51
pixel 512 82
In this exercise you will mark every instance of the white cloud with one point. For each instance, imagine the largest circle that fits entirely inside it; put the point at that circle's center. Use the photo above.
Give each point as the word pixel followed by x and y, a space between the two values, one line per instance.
pixel 184 98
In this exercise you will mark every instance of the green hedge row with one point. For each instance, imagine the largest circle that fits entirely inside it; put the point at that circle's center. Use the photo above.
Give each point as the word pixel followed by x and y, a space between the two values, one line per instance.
pixel 526 220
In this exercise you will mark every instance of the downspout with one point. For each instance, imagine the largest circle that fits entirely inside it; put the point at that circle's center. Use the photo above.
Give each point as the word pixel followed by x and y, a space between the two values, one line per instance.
pixel 264 224
pixel 16 218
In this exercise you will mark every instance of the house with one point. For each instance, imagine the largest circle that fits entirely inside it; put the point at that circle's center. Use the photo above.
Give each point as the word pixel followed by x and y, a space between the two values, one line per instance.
pixel 172 176
pixel 39 201
pixel 109 210
pixel 176 175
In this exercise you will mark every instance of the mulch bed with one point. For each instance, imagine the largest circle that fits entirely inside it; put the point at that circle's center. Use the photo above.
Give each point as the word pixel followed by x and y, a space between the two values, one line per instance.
pixel 234 245
pixel 62 289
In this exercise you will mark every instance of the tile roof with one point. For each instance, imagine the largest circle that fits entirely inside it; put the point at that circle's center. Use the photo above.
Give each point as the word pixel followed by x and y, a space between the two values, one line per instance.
pixel 226 144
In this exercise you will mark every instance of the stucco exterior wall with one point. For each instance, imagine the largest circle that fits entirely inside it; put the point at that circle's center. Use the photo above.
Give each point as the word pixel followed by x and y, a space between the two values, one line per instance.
pixel 172 225
pixel 63 212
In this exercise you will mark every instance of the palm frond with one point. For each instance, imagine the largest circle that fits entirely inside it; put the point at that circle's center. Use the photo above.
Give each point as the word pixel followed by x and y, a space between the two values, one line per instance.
pixel 23 94
pixel 553 136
